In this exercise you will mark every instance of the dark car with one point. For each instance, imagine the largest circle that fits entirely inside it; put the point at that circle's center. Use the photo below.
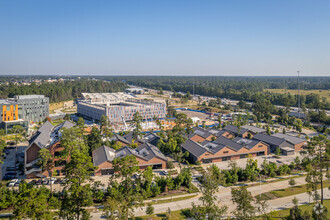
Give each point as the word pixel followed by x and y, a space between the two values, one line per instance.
pixel 38 182
pixel 8 177
pixel 10 168
pixel 10 173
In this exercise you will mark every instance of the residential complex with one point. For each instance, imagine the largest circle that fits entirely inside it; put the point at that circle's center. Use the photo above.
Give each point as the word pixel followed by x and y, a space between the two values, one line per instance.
pixel 118 107
pixel 47 136
pixel 146 155
pixel 22 110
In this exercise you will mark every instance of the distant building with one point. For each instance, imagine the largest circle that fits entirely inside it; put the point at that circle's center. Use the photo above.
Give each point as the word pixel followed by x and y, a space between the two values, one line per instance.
pixel 135 90
pixel 118 107
pixel 21 110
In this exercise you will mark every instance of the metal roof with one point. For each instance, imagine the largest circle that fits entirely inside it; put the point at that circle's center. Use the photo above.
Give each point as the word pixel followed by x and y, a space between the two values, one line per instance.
pixel 254 129
pixel 234 129
pixel 269 139
pixel 289 138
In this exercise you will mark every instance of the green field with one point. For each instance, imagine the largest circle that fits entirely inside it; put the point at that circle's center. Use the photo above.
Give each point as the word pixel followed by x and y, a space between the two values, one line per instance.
pixel 290 191
pixel 322 93
pixel 309 207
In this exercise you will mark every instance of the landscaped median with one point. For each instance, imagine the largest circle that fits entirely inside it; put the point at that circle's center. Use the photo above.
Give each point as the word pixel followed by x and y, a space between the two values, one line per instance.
pixel 279 193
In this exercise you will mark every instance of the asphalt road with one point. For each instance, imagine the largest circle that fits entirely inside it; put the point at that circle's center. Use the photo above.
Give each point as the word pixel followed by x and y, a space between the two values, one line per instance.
pixel 224 196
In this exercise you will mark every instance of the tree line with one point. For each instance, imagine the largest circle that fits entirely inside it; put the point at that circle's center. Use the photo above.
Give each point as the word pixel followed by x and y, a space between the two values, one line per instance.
pixel 61 91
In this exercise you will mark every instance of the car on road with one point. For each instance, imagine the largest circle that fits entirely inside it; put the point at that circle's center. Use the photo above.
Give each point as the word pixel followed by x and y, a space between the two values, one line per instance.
pixel 165 172
pixel 12 182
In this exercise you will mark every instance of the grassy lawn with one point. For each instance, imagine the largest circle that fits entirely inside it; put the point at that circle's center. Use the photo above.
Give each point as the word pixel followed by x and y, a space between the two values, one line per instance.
pixel 175 215
pixel 322 93
pixel 289 191
pixel 309 207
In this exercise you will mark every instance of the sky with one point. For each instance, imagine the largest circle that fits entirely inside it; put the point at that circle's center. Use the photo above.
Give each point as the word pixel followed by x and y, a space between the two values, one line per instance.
pixel 165 37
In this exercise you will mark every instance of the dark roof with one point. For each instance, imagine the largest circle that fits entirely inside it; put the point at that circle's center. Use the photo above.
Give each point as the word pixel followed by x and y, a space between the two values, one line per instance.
pixel 234 129
pixel 102 154
pixel 248 143
pixel 47 134
pixel 269 139
pixel 202 132
pixel 254 129
pixel 129 137
pixel 229 143
pixel 289 138
pixel 151 138
pixel 117 137
pixel 46 127
pixel 194 148
pixel 212 147
pixel 145 151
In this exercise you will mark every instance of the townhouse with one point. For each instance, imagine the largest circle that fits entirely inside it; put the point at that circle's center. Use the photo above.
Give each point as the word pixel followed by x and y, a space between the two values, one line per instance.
pixel 286 147
pixel 298 143
pixel 223 149
pixel 146 155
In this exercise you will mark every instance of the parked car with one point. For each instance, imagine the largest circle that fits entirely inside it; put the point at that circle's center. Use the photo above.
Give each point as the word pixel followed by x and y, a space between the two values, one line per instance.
pixel 38 182
pixel 165 172
pixel 18 182
pixel 10 173
pixel 44 181
pixel 10 168
pixel 63 181
pixel 52 180
pixel 8 177
pixel 12 182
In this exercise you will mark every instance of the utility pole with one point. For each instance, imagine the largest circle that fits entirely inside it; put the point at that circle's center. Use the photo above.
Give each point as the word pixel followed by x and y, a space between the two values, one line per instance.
pixel 298 96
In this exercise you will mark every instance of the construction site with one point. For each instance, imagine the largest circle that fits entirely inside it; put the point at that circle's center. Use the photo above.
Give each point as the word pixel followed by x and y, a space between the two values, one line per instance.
pixel 120 108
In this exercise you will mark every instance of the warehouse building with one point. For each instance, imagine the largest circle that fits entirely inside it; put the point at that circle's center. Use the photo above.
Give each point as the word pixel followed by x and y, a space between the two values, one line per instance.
pixel 119 108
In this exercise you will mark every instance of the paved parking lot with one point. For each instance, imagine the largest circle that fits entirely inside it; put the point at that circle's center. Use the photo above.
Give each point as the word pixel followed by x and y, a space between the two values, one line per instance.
pixel 10 160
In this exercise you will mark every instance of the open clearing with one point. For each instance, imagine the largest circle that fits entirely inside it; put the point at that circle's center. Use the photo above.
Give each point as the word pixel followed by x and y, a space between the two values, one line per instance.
pixel 322 93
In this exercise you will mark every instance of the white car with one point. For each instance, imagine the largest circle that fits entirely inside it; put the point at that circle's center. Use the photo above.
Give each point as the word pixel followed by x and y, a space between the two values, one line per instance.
pixel 165 172
pixel 52 180
pixel 12 182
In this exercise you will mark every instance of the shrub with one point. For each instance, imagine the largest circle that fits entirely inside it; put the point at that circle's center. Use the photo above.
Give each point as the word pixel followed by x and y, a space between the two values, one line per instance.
pixel 169 165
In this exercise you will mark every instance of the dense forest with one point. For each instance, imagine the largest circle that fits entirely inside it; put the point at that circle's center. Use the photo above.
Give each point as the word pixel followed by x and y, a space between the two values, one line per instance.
pixel 61 91
pixel 238 88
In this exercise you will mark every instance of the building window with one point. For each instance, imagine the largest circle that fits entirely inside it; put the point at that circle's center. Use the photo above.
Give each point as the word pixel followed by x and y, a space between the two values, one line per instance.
pixel 260 146
pixel 226 152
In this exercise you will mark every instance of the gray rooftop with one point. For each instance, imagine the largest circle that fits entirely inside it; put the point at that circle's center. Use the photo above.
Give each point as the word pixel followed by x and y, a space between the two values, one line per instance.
pixel 289 138
pixel 145 151
pixel 48 134
pixel 248 143
pixel 234 129
pixel 202 132
pixel 229 143
pixel 254 129
pixel 194 148
pixel 269 139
